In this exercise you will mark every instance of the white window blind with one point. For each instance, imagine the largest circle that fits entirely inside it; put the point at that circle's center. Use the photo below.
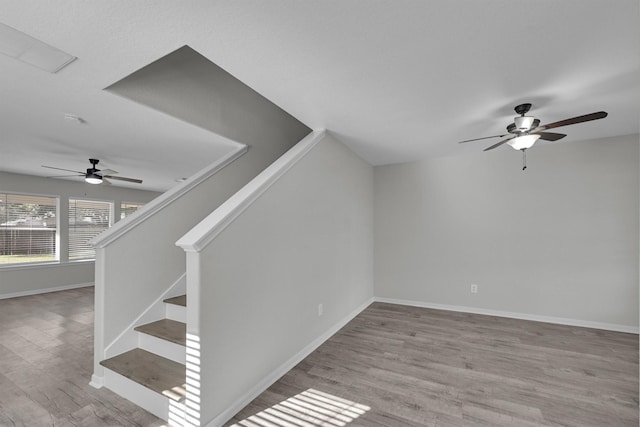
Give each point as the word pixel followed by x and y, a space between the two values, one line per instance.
pixel 127 208
pixel 27 228
pixel 87 219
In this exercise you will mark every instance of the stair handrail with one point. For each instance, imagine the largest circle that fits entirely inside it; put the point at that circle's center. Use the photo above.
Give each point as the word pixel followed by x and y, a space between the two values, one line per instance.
pixel 204 232
pixel 120 228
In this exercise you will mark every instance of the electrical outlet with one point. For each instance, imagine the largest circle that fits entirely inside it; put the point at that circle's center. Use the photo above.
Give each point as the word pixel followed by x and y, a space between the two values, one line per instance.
pixel 474 288
pixel 320 310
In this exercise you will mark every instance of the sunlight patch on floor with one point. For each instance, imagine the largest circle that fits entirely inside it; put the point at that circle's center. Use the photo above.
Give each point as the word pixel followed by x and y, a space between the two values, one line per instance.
pixel 310 408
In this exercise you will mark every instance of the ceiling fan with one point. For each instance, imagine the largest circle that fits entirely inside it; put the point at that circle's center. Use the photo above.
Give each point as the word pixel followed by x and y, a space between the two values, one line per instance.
pixel 526 130
pixel 94 175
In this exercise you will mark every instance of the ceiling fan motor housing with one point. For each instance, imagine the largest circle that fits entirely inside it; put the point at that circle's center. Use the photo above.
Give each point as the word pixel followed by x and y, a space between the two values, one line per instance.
pixel 92 175
pixel 512 128
pixel 522 123
pixel 522 109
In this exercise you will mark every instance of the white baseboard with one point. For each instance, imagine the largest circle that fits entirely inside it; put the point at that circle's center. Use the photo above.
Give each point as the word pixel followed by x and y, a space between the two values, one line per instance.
pixel 45 290
pixel 96 381
pixel 512 315
pixel 267 381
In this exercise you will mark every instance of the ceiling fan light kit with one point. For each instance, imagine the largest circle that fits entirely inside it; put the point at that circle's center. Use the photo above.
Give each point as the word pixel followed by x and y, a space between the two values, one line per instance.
pixel 524 141
pixel 92 177
pixel 526 130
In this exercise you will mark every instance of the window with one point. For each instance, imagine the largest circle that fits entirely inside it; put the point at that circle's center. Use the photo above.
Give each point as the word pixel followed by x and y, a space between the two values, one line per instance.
pixel 127 208
pixel 87 219
pixel 27 228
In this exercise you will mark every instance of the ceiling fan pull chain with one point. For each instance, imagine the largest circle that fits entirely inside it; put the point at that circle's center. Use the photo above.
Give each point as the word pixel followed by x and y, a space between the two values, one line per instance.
pixel 524 158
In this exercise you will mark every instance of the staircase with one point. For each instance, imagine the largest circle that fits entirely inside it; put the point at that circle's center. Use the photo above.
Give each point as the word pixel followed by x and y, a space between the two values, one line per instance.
pixel 153 375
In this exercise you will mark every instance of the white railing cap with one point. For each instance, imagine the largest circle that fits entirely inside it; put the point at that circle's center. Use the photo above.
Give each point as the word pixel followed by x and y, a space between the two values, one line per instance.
pixel 120 228
pixel 204 232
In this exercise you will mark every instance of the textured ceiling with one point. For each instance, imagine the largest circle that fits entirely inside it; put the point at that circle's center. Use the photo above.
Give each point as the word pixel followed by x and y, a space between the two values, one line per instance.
pixel 396 80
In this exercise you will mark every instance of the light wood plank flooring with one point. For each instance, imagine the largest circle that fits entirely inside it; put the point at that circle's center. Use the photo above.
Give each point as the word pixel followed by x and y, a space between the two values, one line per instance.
pixel 404 366
pixel 46 362
pixel 391 366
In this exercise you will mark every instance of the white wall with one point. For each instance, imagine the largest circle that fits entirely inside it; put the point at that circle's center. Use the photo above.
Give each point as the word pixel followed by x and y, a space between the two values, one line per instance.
pixel 138 267
pixel 142 264
pixel 307 240
pixel 557 240
pixel 17 280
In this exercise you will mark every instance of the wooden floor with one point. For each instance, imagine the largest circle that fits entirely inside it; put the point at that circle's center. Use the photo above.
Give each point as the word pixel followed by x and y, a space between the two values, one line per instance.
pixel 46 362
pixel 403 366
pixel 391 366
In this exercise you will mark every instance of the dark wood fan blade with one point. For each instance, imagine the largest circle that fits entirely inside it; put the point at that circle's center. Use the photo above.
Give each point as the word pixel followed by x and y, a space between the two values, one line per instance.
pixel 480 139
pixel 550 136
pixel 573 121
pixel 60 169
pixel 498 144
pixel 122 178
